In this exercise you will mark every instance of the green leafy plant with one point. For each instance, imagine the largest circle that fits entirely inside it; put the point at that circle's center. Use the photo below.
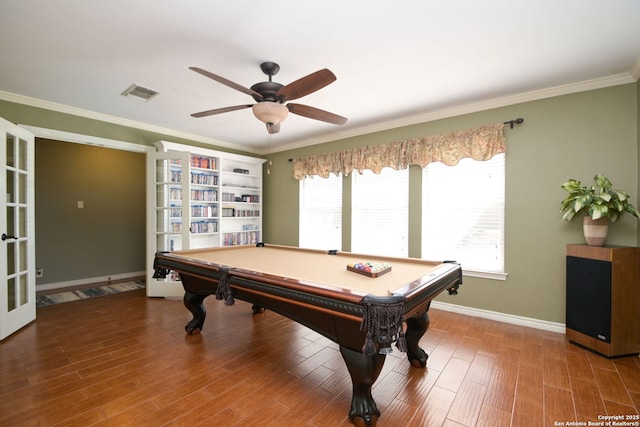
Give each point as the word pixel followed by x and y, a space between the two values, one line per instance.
pixel 598 201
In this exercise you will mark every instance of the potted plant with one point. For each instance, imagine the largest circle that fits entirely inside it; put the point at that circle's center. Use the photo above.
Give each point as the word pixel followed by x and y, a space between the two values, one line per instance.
pixel 599 204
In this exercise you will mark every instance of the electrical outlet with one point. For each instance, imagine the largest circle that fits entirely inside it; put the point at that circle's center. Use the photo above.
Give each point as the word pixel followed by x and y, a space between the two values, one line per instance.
pixel 39 272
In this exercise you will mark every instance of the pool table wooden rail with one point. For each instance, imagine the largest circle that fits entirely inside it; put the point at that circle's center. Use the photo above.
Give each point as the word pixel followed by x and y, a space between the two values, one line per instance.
pixel 190 261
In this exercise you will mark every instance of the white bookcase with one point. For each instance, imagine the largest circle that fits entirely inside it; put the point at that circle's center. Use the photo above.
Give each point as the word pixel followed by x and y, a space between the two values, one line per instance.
pixel 199 198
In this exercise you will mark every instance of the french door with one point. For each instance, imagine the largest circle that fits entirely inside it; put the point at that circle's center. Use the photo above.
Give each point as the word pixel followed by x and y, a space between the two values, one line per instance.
pixel 17 226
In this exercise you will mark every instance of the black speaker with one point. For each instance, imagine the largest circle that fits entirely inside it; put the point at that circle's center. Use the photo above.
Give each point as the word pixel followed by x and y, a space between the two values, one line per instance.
pixel 589 297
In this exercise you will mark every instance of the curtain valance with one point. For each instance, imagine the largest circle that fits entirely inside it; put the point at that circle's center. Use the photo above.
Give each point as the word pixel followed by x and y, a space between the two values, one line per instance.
pixel 480 143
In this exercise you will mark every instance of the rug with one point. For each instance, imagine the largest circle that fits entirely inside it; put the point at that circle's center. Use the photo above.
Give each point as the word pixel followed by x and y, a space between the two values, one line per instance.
pixel 79 294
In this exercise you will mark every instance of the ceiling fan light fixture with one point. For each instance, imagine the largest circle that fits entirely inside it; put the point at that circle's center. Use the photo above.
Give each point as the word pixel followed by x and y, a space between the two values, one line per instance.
pixel 270 112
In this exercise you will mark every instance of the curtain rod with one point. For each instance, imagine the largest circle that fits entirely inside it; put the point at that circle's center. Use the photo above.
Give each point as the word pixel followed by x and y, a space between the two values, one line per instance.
pixel 511 123
pixel 514 122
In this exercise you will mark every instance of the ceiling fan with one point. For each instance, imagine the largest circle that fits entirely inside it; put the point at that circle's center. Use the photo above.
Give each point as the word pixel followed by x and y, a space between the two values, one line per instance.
pixel 270 97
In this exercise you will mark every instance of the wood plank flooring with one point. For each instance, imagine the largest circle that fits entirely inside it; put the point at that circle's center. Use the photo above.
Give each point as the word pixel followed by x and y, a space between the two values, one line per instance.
pixel 124 360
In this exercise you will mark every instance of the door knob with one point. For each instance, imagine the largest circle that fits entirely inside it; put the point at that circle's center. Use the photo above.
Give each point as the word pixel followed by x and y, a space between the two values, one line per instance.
pixel 6 236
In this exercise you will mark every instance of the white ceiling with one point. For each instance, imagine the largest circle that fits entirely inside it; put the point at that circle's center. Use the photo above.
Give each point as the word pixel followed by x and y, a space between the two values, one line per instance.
pixel 393 60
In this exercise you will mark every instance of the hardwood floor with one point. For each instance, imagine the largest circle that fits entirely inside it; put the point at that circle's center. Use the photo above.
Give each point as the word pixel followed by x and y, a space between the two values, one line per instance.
pixel 124 360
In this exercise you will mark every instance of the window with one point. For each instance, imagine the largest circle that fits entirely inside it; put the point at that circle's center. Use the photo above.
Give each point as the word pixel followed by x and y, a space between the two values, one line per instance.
pixel 321 213
pixel 380 208
pixel 463 213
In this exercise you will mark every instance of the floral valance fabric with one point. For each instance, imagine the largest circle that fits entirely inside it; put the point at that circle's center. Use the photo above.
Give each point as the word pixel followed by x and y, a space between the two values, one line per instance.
pixel 479 144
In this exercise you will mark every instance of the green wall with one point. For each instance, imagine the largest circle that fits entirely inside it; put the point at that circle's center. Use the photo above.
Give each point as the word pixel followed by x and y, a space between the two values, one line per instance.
pixel 570 136
pixel 107 236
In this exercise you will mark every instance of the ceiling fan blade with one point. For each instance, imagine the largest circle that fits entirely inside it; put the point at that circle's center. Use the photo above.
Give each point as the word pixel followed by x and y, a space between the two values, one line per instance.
pixel 306 85
pixel 271 128
pixel 316 114
pixel 221 110
pixel 226 82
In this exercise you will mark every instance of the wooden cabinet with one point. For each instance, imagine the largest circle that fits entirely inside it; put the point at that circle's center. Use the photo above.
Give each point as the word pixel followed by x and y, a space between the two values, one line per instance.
pixel 199 198
pixel 603 298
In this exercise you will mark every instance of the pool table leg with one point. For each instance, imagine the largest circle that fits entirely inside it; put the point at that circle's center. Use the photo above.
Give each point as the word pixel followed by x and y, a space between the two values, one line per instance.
pixel 416 327
pixel 194 303
pixel 364 371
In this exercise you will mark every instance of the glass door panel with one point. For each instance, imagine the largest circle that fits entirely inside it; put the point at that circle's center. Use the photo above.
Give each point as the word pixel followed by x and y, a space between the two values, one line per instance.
pixel 11 294
pixel 11 146
pixel 17 249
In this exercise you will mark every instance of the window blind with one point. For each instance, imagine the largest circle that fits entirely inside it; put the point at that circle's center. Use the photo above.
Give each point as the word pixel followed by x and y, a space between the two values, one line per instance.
pixel 321 213
pixel 380 206
pixel 463 213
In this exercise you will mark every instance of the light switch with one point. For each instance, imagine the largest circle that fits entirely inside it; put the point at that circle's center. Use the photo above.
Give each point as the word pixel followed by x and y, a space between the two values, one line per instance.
pixel 80 204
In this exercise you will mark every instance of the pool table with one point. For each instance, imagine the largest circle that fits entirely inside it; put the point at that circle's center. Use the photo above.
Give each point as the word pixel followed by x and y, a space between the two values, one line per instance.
pixel 362 312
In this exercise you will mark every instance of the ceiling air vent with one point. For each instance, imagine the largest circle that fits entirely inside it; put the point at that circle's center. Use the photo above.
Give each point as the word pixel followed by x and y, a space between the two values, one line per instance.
pixel 140 92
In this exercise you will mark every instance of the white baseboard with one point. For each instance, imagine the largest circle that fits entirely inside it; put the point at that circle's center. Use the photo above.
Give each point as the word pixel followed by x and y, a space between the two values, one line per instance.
pixel 90 280
pixel 468 311
pixel 501 317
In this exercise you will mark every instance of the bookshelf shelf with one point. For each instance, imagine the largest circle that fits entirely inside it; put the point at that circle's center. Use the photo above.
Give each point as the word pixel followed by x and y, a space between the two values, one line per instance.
pixel 199 198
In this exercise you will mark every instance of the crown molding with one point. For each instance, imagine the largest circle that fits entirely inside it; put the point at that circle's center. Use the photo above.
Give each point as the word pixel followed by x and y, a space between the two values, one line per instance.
pixel 599 83
pixel 614 80
pixel 635 69
pixel 87 114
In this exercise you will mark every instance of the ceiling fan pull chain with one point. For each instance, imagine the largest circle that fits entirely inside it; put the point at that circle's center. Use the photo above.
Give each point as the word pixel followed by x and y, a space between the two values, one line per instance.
pixel 269 164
